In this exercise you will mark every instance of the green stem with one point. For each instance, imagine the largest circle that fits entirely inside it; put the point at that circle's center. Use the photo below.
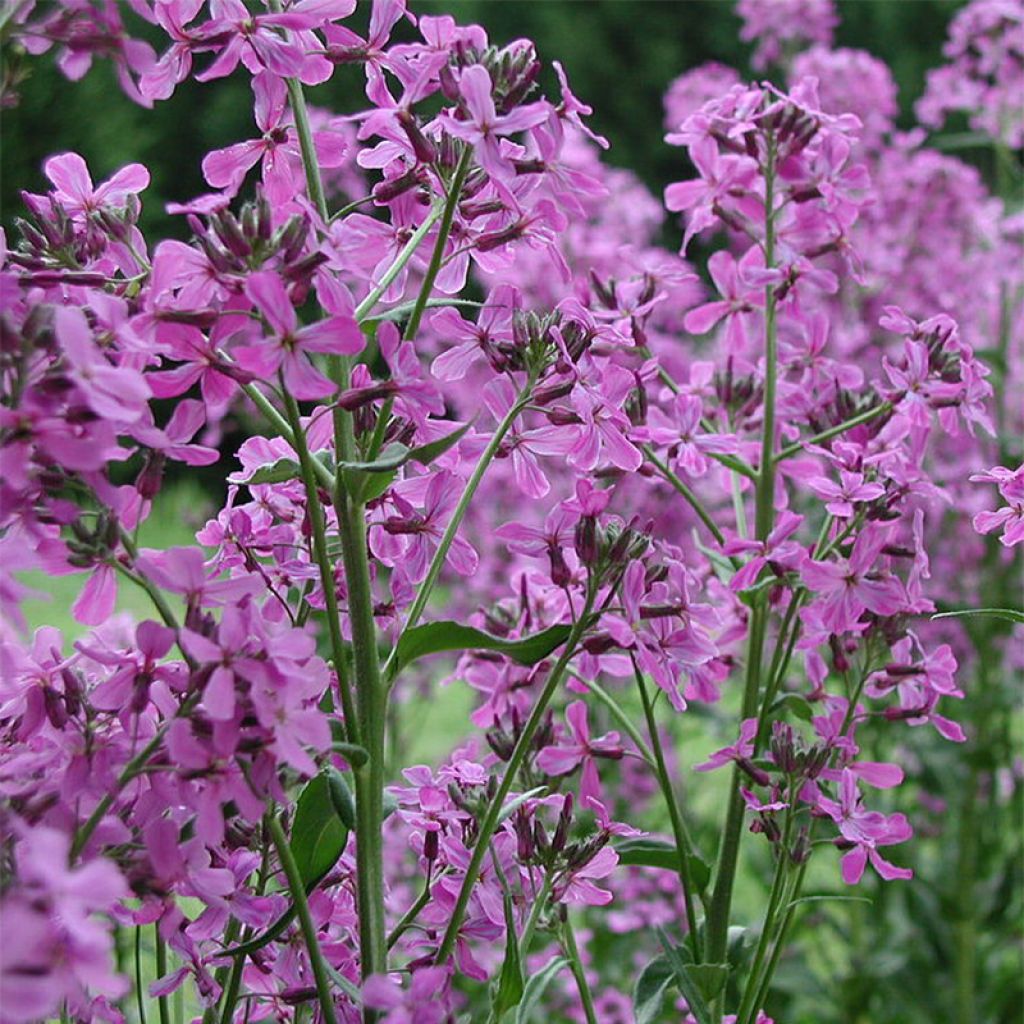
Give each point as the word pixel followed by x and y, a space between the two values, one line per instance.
pixel 840 428
pixel 686 492
pixel 298 891
pixel 297 99
pixel 769 926
pixel 409 917
pixel 780 943
pixel 327 584
pixel 683 846
pixel 539 903
pixel 764 514
pixel 620 716
pixel 519 752
pixel 576 966
pixel 425 588
pixel 366 306
pixel 163 1008
pixel 140 989
pixel 372 702
pixel 437 257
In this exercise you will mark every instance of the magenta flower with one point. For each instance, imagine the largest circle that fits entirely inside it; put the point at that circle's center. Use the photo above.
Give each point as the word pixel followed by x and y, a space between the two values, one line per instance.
pixel 484 127
pixel 565 757
pixel 865 831
pixel 741 750
pixel 472 342
pixel 840 498
pixel 720 176
pixel 777 551
pixel 739 298
pixel 277 149
pixel 1011 518
pixel 284 350
pixel 845 588
pixel 258 42
pixel 74 190
pixel 408 539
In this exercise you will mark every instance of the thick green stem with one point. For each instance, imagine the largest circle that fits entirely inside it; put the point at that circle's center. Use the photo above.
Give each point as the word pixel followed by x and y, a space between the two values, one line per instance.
pixel 764 515
pixel 683 846
pixel 572 952
pixel 521 749
pixel 308 928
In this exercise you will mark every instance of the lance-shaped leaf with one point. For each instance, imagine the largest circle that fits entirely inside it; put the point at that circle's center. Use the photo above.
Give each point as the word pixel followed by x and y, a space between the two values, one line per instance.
pixel 510 982
pixel 434 637
pixel 645 851
pixel 649 991
pixel 535 988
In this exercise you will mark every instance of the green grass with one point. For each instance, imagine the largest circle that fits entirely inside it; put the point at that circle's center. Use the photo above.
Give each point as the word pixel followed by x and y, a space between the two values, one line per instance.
pixel 177 513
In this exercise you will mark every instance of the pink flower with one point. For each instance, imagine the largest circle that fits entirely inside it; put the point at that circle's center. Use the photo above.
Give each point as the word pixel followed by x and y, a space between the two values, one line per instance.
pixel 865 831
pixel 741 750
pixel 1011 518
pixel 277 149
pixel 284 349
pixel 840 498
pixel 582 750
pixel 484 127
pixel 845 588
pixel 74 190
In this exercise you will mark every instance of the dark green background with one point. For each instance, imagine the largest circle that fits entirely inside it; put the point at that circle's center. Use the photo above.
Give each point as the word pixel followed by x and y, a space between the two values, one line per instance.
pixel 620 56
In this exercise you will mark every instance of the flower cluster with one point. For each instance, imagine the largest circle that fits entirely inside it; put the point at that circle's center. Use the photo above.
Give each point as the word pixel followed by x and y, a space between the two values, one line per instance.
pixel 488 415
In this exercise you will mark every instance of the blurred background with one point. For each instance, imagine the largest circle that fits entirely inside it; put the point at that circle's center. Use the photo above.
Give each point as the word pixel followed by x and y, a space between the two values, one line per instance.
pixel 620 56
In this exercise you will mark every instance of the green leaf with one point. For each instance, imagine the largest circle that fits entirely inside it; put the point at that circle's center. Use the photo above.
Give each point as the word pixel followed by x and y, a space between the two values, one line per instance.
pixel 829 898
pixel 795 704
pixel 425 454
pixel 402 311
pixel 709 978
pixel 375 485
pixel 276 473
pixel 396 455
pixel 535 987
pixel 341 798
pixel 284 470
pixel 516 802
pixel 646 852
pixel 356 755
pixel 649 991
pixel 387 461
pixel 1010 614
pixel 318 834
pixel 317 841
pixel 434 637
pixel 510 982
pixel 692 991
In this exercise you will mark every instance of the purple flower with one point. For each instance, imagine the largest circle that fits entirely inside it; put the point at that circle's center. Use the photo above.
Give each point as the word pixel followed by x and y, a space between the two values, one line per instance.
pixel 845 588
pixel 566 757
pixel 284 349
pixel 865 831
pixel 1011 518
